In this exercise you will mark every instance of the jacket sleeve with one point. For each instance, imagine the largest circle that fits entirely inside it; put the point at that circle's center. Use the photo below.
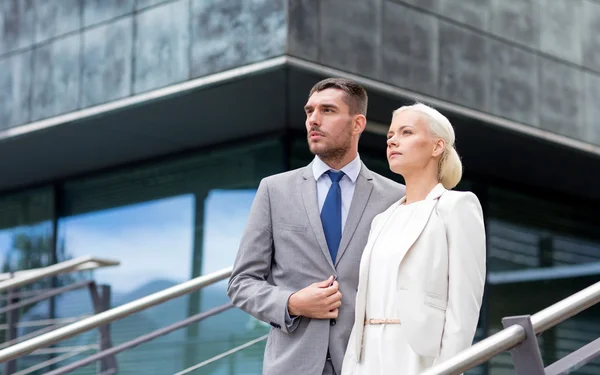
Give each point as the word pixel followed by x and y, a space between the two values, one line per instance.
pixel 465 234
pixel 248 287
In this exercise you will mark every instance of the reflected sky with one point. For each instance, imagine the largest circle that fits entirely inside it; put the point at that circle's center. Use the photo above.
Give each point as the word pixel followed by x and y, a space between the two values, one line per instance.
pixel 154 240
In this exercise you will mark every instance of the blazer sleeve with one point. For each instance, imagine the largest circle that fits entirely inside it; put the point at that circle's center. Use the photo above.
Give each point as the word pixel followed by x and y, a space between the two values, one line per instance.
pixel 465 234
pixel 248 286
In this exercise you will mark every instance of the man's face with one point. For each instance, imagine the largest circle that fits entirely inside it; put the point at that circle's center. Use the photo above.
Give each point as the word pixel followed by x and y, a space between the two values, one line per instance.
pixel 329 123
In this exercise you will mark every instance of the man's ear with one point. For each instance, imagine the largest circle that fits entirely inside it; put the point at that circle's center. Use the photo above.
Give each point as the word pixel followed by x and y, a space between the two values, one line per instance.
pixel 359 125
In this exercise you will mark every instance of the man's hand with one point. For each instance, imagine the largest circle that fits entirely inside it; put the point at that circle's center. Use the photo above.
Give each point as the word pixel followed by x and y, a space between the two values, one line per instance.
pixel 319 300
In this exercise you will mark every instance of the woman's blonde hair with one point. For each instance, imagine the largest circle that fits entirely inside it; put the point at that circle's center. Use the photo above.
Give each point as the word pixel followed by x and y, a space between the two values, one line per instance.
pixel 450 167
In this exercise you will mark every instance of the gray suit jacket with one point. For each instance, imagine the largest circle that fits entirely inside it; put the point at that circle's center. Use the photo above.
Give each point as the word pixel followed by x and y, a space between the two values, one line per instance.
pixel 283 250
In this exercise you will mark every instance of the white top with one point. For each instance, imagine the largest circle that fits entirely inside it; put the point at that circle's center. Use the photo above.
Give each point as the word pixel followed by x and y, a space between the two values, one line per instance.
pixel 380 358
pixel 347 183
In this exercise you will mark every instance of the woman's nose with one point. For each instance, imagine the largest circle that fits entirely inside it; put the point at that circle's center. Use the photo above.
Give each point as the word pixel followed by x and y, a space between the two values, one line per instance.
pixel 392 142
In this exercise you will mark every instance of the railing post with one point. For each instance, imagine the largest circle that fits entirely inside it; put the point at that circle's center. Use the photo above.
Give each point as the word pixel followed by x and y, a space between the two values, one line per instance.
pixel 12 318
pixel 526 356
pixel 101 303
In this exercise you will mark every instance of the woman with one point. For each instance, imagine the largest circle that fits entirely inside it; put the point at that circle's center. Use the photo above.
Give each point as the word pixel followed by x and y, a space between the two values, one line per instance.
pixel 423 270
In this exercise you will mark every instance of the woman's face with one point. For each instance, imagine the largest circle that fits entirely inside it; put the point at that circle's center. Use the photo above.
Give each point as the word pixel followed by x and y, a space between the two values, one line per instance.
pixel 410 145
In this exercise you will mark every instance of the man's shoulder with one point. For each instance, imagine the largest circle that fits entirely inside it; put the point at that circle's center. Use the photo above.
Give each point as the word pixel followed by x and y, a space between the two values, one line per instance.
pixel 388 186
pixel 285 177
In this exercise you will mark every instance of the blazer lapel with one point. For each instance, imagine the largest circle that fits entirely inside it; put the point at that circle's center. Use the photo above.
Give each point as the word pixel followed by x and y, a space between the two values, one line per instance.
pixel 362 192
pixel 419 221
pixel 311 204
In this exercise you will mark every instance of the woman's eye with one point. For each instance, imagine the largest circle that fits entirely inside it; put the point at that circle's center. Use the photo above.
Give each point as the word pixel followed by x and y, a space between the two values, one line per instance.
pixel 406 132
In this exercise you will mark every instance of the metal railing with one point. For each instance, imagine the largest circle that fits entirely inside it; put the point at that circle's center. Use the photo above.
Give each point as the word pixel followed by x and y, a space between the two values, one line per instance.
pixel 519 334
pixel 116 313
pixel 84 263
pixel 515 335
pixel 17 299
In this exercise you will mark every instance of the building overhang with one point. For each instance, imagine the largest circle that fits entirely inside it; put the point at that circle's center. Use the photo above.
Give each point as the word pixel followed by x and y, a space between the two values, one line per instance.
pixel 267 97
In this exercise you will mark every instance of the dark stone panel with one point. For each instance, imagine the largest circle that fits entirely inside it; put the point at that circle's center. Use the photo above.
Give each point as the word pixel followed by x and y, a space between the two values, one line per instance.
pixel 16 24
pixel 234 33
pixel 350 35
pixel 162 46
pixel 409 48
pixel 97 11
pixel 590 34
pixel 561 99
pixel 56 70
pixel 513 83
pixel 141 4
pixel 463 66
pixel 560 28
pixel 107 54
pixel 592 106
pixel 303 37
pixel 516 20
pixel 474 13
pixel 15 89
pixel 54 18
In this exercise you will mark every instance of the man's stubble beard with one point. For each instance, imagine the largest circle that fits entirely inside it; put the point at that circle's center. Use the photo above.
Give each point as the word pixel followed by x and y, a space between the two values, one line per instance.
pixel 332 153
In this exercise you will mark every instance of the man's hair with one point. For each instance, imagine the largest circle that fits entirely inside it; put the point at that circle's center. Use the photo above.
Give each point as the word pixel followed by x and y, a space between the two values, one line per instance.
pixel 355 95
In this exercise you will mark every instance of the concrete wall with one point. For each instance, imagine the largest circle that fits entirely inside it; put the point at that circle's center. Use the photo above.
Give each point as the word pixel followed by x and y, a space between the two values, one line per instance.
pixel 57 56
pixel 533 61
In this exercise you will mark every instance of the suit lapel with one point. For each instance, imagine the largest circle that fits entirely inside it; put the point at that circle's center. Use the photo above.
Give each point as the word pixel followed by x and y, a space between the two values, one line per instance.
pixel 311 204
pixel 362 192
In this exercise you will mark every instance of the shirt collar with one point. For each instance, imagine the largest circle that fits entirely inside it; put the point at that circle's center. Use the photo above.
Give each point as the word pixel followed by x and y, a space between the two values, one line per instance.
pixel 351 169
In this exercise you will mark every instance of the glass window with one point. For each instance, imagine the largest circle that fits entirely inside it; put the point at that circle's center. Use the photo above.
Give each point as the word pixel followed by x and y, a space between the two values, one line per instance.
pixel 27 241
pixel 168 222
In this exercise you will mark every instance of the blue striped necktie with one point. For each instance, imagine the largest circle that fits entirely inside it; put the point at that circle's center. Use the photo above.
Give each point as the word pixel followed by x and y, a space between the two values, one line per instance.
pixel 331 214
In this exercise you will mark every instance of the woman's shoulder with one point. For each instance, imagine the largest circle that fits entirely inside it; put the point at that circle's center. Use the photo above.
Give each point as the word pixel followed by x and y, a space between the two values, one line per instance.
pixel 458 200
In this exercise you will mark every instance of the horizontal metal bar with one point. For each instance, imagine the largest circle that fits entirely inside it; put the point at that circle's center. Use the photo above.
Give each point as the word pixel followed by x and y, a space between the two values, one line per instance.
pixel 46 295
pixel 512 336
pixel 575 360
pixel 113 314
pixel 46 322
pixel 140 340
pixel 223 355
pixel 547 273
pixel 77 264
pixel 26 337
pixel 51 361
pixel 480 352
pixel 64 349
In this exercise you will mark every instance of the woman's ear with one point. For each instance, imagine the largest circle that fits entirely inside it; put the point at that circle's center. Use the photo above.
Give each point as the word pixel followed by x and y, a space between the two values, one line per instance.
pixel 438 147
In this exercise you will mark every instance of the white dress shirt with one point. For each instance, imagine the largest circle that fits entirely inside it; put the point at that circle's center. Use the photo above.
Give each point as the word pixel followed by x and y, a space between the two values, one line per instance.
pixel 347 183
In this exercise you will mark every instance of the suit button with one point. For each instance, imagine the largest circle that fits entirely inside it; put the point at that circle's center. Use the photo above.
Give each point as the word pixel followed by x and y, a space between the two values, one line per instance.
pixel 332 322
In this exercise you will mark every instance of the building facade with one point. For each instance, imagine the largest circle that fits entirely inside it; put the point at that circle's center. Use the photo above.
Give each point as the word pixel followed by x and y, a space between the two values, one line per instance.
pixel 140 129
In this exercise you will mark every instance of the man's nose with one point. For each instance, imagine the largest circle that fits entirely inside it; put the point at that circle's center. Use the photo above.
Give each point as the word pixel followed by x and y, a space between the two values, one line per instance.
pixel 314 118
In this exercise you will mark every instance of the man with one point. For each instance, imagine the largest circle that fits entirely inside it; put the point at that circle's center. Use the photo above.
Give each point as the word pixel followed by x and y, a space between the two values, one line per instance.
pixel 296 268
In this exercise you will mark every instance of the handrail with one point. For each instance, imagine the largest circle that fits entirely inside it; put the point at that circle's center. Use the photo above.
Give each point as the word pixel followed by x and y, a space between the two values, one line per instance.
pixel 72 265
pixel 113 314
pixel 223 355
pixel 512 336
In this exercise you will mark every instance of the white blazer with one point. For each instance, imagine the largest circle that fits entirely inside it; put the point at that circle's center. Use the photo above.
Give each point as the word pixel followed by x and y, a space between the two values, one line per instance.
pixel 441 275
